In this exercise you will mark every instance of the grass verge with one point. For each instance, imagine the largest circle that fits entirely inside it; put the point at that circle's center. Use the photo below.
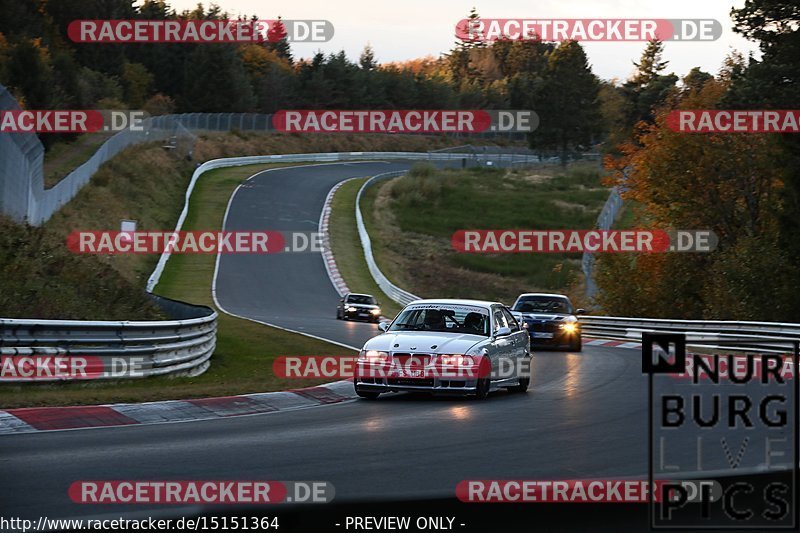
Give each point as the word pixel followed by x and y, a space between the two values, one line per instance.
pixel 346 247
pixel 411 220
pixel 242 362
pixel 64 157
pixel 146 183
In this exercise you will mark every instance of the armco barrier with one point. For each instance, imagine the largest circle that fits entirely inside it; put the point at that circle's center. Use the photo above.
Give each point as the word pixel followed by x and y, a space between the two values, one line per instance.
pixel 182 346
pixel 331 157
pixel 390 289
pixel 770 337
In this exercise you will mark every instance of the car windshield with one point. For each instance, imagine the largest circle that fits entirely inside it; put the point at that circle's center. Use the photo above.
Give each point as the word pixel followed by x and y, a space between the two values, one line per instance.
pixel 443 318
pixel 543 304
pixel 360 299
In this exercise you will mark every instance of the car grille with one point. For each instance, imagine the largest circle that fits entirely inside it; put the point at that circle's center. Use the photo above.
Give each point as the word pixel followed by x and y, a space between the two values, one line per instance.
pixel 536 325
pixel 419 359
pixel 411 381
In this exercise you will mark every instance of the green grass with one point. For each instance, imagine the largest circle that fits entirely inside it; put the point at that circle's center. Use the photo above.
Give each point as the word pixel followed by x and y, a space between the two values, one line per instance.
pixel 411 220
pixel 147 184
pixel 64 157
pixel 347 250
pixel 242 362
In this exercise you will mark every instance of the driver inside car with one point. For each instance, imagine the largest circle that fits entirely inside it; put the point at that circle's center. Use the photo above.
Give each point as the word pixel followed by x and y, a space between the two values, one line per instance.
pixel 473 323
pixel 434 320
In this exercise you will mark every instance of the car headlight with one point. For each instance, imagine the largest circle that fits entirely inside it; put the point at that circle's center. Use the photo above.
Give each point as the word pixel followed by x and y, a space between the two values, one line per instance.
pixel 373 356
pixel 351 309
pixel 376 311
pixel 456 360
pixel 569 327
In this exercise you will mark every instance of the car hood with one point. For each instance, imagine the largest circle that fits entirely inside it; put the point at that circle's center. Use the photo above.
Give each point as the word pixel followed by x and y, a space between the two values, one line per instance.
pixel 362 306
pixel 553 317
pixel 424 342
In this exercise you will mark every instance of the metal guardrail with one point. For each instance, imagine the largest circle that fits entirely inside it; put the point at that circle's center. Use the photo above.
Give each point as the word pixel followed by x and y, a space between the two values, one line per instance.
pixel 770 337
pixel 390 289
pixel 179 347
pixel 604 222
pixel 322 158
pixel 126 349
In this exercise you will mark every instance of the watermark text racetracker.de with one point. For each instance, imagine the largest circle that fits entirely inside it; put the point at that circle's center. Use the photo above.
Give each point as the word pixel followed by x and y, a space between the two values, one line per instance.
pixel 194 242
pixel 734 121
pixel 70 120
pixel 568 241
pixel 380 365
pixel 596 29
pixel 199 492
pixel 405 121
pixel 199 31
pixel 38 367
pixel 575 490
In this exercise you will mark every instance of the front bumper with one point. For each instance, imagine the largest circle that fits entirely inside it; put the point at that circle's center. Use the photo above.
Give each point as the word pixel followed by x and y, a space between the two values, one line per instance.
pixel 361 315
pixel 436 385
pixel 552 336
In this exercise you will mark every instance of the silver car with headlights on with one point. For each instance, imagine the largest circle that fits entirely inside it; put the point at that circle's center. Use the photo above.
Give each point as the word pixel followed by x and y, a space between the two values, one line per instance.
pixel 462 347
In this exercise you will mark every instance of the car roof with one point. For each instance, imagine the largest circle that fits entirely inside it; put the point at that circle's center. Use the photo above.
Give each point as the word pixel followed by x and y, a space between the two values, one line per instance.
pixel 456 301
pixel 359 294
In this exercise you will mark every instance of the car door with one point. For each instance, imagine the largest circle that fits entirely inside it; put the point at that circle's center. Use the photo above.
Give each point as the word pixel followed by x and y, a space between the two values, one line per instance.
pixel 522 344
pixel 503 348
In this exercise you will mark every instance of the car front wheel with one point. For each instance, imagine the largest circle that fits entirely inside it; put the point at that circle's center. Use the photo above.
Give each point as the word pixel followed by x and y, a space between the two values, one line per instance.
pixel 482 389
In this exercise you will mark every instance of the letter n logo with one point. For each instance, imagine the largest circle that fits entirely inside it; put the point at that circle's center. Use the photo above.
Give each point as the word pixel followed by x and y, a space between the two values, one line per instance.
pixel 664 345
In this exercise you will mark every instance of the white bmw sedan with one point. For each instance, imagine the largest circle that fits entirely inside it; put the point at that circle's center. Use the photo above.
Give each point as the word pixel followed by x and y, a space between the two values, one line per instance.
pixel 465 347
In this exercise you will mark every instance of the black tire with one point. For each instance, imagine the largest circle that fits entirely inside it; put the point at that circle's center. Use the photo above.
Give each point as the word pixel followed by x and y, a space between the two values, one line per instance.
pixel 338 316
pixel 367 395
pixel 576 345
pixel 482 390
pixel 524 383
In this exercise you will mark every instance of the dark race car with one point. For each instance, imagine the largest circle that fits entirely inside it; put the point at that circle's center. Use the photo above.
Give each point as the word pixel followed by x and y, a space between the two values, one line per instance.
pixel 550 319
pixel 358 307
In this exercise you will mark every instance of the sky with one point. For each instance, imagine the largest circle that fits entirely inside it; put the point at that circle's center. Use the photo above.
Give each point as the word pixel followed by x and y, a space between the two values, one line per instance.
pixel 415 28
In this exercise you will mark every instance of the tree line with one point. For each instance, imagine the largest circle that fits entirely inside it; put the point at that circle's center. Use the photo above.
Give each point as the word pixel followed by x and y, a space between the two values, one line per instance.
pixel 745 187
pixel 46 70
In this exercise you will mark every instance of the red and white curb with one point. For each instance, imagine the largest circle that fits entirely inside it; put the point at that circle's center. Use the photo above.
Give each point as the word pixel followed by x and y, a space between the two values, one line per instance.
pixel 327 255
pixel 33 419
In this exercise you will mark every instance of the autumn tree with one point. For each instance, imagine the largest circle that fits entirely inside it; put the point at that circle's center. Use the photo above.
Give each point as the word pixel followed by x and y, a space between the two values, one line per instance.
pixel 726 183
pixel 772 82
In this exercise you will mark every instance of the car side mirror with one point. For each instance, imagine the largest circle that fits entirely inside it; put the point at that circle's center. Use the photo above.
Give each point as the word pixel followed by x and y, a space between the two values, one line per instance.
pixel 341 301
pixel 384 326
pixel 502 332
pixel 580 311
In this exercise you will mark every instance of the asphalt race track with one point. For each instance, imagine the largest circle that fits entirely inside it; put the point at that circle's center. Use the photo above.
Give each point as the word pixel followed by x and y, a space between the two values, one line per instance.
pixel 585 416
pixel 289 290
